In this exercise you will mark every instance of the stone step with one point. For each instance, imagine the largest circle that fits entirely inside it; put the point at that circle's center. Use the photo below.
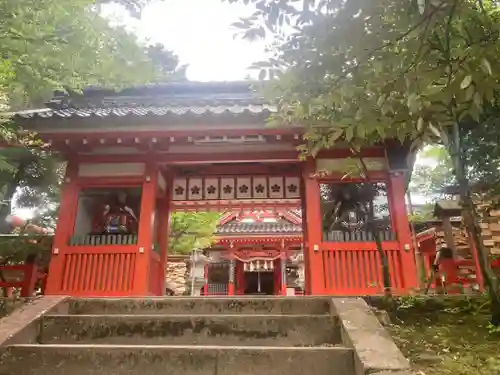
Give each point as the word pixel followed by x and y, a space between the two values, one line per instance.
pixel 174 360
pixel 201 305
pixel 279 330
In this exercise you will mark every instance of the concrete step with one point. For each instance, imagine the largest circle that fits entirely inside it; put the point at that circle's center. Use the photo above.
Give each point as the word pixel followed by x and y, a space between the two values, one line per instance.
pixel 201 305
pixel 174 360
pixel 272 330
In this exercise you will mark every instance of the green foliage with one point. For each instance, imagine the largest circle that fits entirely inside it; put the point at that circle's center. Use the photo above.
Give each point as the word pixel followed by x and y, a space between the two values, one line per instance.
pixel 14 249
pixel 192 230
pixel 166 64
pixel 49 45
pixel 368 71
pixel 52 45
pixel 422 213
pixel 430 177
pixel 480 145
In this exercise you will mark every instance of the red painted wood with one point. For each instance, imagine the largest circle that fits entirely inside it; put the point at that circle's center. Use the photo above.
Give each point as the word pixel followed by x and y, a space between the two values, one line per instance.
pixel 198 159
pixel 100 273
pixel 109 182
pixel 28 282
pixel 277 276
pixel 359 246
pixel 241 239
pixel 142 276
pixel 312 236
pixel 65 224
pixel 230 289
pixel 156 285
pixel 229 131
pixel 397 193
pixel 240 278
pixel 205 285
pixel 280 169
pixel 220 206
pixel 341 178
pixel 351 271
pixel 477 267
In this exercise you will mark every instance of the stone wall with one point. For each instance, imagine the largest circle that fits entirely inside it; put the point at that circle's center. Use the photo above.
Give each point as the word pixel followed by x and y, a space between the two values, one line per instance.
pixel 490 230
pixel 177 274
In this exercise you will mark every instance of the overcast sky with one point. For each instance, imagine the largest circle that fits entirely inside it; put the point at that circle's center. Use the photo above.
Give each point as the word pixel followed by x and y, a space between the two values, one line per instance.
pixel 199 32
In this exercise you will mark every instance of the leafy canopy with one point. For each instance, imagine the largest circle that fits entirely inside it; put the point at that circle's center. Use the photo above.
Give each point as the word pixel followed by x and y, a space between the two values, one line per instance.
pixel 50 44
pixel 192 230
pixel 370 70
pixel 430 177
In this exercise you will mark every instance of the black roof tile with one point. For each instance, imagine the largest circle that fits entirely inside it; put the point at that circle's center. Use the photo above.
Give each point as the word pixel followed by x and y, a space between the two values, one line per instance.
pixel 236 228
pixel 177 99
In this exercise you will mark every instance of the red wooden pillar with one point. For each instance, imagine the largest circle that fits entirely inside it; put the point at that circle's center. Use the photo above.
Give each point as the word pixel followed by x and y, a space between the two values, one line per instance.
pixel 240 278
pixel 312 224
pixel 30 279
pixel 64 228
pixel 402 226
pixel 277 276
pixel 164 228
pixel 205 277
pixel 145 241
pixel 284 285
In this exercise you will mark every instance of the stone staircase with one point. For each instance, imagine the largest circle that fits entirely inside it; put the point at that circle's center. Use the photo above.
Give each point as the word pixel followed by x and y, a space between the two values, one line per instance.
pixel 182 336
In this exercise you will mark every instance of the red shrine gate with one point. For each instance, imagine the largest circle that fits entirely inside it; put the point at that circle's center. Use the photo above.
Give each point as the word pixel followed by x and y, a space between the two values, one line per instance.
pixel 142 153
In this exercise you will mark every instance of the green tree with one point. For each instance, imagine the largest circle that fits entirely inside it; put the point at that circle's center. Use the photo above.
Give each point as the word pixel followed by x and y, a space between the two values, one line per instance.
pixel 482 152
pixel 49 45
pixel 166 64
pixel 364 71
pixel 431 177
pixel 192 230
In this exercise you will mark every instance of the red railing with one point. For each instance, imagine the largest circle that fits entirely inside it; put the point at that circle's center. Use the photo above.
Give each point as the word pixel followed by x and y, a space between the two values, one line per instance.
pixel 22 276
pixel 91 271
pixel 355 268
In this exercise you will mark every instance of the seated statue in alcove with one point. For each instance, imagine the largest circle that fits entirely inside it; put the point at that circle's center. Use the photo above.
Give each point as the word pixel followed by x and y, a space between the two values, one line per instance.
pixel 117 217
pixel 346 209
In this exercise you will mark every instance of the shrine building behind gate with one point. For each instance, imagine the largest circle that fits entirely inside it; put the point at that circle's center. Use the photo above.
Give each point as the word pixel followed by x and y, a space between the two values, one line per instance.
pixel 137 155
pixel 256 253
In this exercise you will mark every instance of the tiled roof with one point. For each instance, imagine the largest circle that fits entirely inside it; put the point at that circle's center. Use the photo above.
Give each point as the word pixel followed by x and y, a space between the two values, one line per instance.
pixel 236 228
pixel 148 111
pixel 179 99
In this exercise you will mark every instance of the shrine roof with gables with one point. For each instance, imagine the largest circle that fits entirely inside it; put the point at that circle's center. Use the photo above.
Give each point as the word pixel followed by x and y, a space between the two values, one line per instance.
pixel 283 227
pixel 288 224
pixel 174 100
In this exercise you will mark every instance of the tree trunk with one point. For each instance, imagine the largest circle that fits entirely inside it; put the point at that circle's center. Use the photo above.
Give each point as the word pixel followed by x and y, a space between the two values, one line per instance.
pixel 386 274
pixel 384 263
pixel 471 223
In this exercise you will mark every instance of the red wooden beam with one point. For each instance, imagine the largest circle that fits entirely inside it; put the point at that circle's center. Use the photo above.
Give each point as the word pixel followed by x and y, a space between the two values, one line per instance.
pixel 191 158
pixel 269 169
pixel 226 130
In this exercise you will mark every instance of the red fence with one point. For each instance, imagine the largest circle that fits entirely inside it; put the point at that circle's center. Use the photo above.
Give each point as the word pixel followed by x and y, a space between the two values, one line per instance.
pixel 94 272
pixel 355 268
pixel 22 276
